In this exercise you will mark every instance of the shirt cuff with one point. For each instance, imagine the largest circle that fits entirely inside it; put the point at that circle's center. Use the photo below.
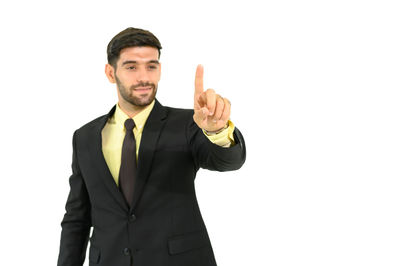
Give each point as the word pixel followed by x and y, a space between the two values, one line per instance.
pixel 224 138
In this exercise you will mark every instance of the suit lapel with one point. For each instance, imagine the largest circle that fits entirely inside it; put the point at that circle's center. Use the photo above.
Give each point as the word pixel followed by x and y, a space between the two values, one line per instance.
pixel 150 135
pixel 100 164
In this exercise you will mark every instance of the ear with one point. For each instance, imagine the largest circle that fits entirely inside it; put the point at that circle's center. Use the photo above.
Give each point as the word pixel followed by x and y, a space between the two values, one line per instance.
pixel 109 70
pixel 159 71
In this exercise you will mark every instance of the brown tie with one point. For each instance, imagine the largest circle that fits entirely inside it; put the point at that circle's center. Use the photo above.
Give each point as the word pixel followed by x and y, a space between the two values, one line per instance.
pixel 127 172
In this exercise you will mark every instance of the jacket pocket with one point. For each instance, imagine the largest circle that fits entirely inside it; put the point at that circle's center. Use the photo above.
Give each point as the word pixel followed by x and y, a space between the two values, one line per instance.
pixel 187 242
pixel 94 254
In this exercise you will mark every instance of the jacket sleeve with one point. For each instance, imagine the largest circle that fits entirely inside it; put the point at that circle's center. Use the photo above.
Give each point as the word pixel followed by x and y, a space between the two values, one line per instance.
pixel 76 222
pixel 210 156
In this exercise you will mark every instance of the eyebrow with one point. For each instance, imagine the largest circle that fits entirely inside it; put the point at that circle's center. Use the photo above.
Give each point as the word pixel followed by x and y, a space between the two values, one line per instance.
pixel 135 62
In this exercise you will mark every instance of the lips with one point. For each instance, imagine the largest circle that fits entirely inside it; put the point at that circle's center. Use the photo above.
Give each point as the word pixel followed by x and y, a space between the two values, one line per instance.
pixel 143 89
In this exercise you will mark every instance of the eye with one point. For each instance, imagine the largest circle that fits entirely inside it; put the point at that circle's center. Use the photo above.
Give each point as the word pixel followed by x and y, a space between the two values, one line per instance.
pixel 152 67
pixel 131 67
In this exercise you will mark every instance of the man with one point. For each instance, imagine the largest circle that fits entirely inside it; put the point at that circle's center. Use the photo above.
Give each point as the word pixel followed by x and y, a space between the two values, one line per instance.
pixel 134 168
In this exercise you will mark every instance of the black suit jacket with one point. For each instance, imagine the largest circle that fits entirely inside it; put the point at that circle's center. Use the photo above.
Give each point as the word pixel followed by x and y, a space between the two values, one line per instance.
pixel 164 226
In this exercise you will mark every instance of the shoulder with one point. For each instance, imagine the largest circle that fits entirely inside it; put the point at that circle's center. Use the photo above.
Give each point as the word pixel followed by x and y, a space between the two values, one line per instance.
pixel 93 123
pixel 96 124
pixel 181 115
pixel 178 111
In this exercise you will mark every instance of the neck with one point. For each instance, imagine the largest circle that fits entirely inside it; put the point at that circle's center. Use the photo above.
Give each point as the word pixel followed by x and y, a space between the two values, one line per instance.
pixel 130 109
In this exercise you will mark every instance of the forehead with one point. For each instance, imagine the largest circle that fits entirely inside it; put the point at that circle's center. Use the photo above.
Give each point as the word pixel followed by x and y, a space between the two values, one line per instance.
pixel 138 53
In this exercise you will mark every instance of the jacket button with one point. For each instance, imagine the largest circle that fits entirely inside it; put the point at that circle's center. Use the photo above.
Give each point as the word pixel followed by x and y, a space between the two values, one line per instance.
pixel 126 251
pixel 132 218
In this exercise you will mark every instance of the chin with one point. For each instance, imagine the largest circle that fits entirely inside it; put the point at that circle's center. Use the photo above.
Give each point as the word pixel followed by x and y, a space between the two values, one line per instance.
pixel 143 102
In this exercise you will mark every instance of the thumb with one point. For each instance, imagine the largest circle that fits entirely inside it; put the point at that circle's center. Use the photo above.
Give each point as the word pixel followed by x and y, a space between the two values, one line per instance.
pixel 200 115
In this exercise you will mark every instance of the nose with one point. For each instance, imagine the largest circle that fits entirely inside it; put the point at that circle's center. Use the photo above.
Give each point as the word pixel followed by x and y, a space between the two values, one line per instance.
pixel 142 76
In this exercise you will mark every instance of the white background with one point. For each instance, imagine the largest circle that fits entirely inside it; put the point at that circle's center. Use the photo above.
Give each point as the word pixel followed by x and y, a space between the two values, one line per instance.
pixel 314 87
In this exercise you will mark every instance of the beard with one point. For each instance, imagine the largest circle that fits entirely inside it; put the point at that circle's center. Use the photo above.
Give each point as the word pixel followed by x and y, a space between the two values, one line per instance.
pixel 127 95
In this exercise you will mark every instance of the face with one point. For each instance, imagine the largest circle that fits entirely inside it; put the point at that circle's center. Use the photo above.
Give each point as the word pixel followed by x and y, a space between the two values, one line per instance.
pixel 137 75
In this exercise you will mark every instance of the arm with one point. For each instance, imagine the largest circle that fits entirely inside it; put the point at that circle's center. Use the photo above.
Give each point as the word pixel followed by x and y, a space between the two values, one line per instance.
pixel 212 156
pixel 211 115
pixel 76 222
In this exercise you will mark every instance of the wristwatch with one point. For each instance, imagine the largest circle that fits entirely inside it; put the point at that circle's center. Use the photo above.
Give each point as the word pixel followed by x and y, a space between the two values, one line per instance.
pixel 212 133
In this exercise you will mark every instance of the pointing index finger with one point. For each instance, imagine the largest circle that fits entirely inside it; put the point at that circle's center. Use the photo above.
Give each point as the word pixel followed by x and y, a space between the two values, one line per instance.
pixel 198 82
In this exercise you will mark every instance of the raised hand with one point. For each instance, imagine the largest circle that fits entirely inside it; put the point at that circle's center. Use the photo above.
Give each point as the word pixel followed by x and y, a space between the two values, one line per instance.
pixel 211 111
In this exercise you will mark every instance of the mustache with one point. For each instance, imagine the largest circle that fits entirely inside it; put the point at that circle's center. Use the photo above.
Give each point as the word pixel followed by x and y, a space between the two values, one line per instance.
pixel 143 84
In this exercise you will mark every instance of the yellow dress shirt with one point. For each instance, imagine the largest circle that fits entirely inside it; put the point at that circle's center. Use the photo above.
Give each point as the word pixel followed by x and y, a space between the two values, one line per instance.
pixel 113 135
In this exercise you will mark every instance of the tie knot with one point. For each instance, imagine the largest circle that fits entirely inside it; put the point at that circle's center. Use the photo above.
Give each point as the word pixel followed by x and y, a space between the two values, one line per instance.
pixel 129 124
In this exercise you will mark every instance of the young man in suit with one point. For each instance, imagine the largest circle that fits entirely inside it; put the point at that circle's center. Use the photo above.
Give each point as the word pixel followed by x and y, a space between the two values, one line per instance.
pixel 134 168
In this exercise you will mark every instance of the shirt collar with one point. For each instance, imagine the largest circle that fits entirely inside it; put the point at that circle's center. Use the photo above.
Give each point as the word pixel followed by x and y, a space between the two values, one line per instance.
pixel 139 119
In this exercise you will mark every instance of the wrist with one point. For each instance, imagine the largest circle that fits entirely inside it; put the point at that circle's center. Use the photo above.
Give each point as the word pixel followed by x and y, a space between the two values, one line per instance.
pixel 215 132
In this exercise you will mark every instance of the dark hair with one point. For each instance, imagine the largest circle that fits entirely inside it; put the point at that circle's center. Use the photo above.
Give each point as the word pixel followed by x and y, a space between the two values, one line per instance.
pixel 128 38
